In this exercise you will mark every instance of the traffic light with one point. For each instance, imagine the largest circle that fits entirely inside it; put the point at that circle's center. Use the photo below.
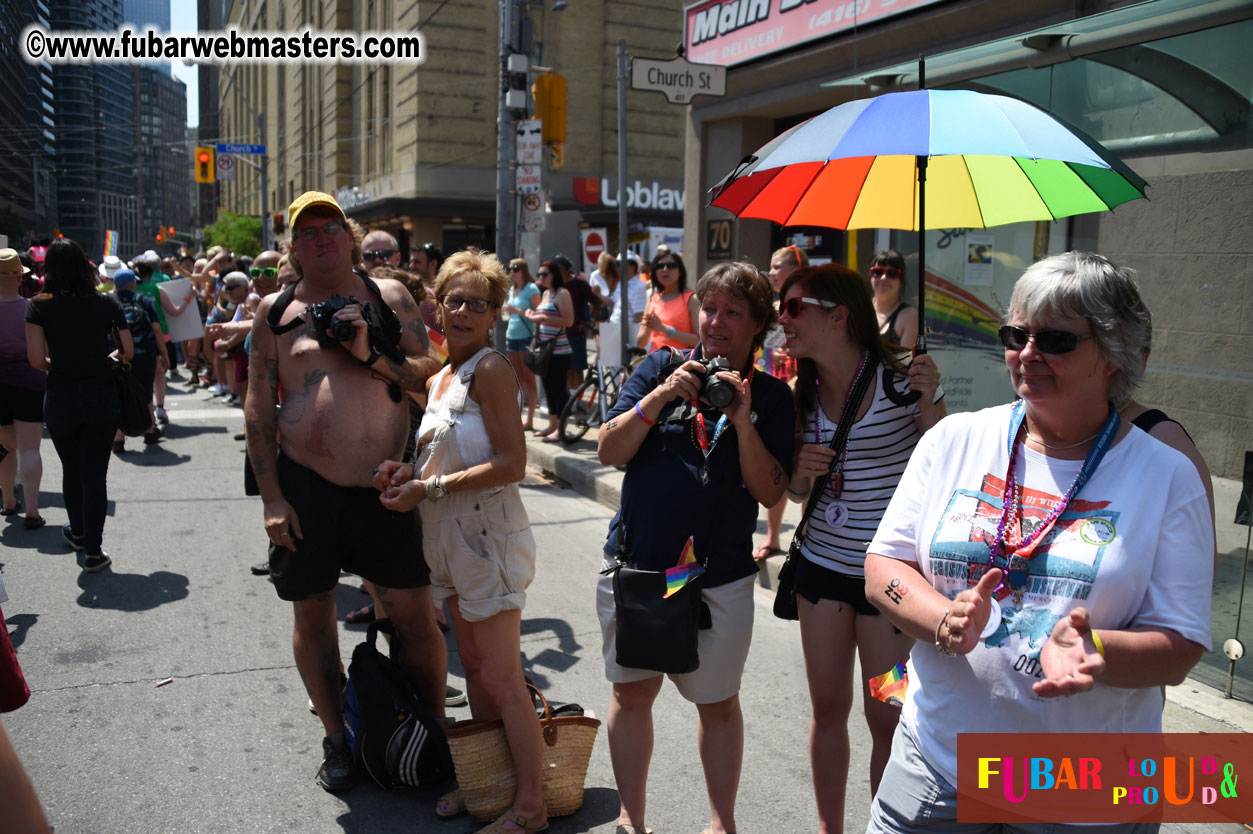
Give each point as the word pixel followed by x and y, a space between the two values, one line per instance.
pixel 278 223
pixel 160 235
pixel 171 232
pixel 204 164
pixel 549 91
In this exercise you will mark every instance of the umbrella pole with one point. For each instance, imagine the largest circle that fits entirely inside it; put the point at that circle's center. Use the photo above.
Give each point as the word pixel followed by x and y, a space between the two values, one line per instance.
pixel 920 344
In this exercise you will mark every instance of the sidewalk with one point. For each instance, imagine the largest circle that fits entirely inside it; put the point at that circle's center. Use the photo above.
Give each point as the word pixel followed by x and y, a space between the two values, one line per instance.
pixel 1193 706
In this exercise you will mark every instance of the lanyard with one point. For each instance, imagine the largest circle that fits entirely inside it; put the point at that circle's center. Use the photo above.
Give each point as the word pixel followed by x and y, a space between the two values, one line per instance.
pixel 706 445
pixel 1026 546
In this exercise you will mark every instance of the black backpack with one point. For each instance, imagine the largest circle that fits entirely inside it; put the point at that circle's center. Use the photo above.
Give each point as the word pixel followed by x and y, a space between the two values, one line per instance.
pixel 392 736
pixel 139 322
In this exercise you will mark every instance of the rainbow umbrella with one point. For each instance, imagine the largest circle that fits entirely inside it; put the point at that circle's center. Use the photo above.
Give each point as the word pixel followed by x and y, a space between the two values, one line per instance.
pixel 927 159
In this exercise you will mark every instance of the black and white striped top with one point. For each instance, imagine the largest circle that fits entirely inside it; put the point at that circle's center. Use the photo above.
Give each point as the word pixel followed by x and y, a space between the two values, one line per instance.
pixel 879 446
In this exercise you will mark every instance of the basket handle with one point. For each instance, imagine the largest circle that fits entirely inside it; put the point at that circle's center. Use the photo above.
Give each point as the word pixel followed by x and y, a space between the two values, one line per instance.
pixel 547 723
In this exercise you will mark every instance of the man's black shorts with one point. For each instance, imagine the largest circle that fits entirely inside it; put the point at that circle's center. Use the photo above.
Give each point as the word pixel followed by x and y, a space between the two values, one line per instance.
pixel 344 528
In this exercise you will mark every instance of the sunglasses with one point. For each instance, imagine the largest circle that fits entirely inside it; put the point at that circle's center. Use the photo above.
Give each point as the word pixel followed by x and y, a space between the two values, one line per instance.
pixel 329 229
pixel 543 273
pixel 884 272
pixel 1046 341
pixel 378 254
pixel 666 265
pixel 792 306
pixel 453 303
pixel 263 271
pixel 515 267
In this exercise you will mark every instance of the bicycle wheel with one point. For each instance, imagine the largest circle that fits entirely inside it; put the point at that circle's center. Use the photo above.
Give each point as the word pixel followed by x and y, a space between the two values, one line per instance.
pixel 582 410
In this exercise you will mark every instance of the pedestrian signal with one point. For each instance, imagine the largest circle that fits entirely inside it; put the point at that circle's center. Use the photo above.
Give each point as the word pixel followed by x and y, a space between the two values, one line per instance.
pixel 204 164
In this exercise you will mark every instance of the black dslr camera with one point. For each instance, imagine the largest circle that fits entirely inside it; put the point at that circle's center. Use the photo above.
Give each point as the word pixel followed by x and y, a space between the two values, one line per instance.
pixel 322 317
pixel 718 392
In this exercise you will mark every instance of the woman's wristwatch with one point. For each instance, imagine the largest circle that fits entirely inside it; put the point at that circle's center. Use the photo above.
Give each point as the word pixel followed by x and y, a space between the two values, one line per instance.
pixel 435 489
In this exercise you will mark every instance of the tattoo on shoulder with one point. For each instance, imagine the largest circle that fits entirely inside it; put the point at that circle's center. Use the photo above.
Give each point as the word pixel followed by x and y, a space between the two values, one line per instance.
pixel 406 303
pixel 418 328
pixel 896 591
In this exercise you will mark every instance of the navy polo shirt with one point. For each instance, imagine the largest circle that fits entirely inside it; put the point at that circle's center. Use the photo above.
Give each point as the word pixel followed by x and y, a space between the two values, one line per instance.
pixel 663 499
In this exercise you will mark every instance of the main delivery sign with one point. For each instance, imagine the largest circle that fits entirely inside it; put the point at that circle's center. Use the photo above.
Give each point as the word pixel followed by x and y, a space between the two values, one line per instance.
pixel 730 32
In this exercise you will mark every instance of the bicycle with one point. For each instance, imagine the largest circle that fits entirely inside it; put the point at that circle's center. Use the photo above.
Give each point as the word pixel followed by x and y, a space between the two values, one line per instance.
pixel 591 403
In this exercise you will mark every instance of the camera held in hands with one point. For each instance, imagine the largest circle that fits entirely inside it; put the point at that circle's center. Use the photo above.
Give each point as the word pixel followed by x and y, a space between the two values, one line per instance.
pixel 719 392
pixel 322 316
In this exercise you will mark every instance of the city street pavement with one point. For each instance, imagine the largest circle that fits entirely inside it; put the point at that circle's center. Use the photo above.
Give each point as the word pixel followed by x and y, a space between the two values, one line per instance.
pixel 229 745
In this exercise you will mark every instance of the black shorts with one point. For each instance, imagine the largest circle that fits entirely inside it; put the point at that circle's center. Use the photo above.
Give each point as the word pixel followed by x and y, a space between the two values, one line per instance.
pixel 23 404
pixel 814 583
pixel 345 528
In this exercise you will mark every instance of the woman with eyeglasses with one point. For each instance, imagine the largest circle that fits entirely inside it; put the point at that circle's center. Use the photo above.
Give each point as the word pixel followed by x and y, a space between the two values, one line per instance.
pixel 672 312
pixel 1053 561
pixel 694 470
pixel 553 315
pixel 829 324
pixel 523 296
pixel 897 320
pixel 475 532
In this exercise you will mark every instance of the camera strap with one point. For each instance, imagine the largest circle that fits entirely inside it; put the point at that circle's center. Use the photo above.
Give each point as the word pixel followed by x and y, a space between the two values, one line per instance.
pixel 389 329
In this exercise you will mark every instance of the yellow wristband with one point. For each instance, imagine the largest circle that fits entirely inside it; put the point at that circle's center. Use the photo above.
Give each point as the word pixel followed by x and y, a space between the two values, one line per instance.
pixel 1096 641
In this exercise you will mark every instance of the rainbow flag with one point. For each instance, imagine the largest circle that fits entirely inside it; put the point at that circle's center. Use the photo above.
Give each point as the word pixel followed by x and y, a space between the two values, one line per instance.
pixel 110 243
pixel 437 344
pixel 890 687
pixel 684 572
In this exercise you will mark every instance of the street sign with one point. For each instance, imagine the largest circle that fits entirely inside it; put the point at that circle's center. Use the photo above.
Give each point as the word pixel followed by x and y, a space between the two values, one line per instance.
pixel 593 245
pixel 226 167
pixel 530 179
pixel 254 150
pixel 532 213
pixel 718 240
pixel 679 78
pixel 530 142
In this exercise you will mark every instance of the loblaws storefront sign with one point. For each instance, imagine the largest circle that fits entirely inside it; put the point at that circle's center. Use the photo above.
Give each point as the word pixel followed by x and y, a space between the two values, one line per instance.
pixel 730 32
pixel 593 191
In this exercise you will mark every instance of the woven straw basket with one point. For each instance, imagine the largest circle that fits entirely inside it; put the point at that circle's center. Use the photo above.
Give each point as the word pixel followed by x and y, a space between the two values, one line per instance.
pixel 485 771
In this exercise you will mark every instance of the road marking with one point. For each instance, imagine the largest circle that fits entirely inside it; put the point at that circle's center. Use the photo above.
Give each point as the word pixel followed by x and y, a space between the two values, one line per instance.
pixel 179 414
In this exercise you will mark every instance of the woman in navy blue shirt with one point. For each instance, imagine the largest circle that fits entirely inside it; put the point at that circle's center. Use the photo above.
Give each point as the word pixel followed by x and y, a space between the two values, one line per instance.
pixel 696 471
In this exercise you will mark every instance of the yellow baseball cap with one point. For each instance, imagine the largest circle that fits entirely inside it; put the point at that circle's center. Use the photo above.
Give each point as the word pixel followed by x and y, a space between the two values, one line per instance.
pixel 310 199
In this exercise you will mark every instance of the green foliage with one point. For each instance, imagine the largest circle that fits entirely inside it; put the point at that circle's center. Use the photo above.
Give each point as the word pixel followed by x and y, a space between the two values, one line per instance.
pixel 239 233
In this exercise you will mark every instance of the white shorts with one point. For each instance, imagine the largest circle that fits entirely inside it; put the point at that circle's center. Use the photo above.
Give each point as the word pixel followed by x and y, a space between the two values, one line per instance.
pixel 723 648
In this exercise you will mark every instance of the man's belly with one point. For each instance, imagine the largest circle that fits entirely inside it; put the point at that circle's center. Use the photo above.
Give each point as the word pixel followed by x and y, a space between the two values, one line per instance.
pixel 343 427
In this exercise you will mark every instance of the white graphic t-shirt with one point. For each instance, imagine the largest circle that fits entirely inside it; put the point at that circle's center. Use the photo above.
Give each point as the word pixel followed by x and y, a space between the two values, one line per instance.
pixel 1135 547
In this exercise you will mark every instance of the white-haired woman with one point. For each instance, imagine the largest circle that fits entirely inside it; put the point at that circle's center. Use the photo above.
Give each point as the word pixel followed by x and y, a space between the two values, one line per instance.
pixel 1040 549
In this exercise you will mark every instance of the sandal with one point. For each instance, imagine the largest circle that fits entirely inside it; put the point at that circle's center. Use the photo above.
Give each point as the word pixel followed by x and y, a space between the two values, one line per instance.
pixel 364 614
pixel 523 825
pixel 765 552
pixel 451 804
pixel 33 522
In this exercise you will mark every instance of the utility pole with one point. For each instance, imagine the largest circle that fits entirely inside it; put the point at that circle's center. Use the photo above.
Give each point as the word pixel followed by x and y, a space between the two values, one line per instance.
pixel 506 145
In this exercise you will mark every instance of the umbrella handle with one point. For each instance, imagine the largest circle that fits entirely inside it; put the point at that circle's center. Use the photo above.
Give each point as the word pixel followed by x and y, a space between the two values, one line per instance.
pixel 889 385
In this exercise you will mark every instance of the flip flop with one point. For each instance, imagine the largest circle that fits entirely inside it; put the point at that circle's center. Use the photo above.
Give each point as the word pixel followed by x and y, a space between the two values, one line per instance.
pixel 364 614
pixel 764 552
pixel 33 522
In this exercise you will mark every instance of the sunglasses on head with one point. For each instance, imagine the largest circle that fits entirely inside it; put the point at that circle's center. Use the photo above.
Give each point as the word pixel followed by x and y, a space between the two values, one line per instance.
pixel 378 254
pixel 792 306
pixel 263 271
pixel 1046 341
pixel 884 272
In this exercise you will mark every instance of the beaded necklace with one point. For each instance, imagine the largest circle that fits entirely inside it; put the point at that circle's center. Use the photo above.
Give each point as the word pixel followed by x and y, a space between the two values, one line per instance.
pixel 837 472
pixel 1020 553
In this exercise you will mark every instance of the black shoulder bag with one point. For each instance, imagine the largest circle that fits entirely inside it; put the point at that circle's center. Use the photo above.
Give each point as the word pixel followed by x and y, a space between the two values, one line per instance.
pixel 133 400
pixel 785 593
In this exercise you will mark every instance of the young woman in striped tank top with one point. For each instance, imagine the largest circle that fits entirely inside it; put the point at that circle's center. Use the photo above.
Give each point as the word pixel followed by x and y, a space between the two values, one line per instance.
pixel 829 321
pixel 554 314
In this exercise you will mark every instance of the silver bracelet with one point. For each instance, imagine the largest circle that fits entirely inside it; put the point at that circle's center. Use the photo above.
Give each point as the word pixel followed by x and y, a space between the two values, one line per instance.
pixel 940 647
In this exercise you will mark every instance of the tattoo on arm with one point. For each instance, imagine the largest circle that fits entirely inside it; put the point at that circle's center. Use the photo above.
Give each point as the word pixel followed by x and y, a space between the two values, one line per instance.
pixel 612 424
pixel 413 373
pixel 776 474
pixel 418 328
pixel 896 590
